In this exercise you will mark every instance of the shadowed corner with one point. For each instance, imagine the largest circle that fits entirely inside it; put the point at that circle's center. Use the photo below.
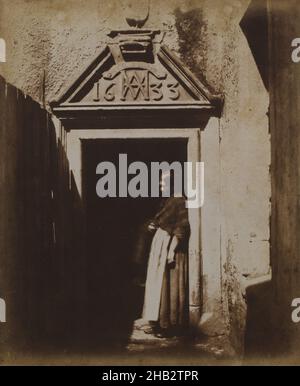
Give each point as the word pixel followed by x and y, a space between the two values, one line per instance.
pixel 258 331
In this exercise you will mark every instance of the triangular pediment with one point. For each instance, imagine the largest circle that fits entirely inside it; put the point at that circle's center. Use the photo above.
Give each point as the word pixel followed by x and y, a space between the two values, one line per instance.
pixel 132 72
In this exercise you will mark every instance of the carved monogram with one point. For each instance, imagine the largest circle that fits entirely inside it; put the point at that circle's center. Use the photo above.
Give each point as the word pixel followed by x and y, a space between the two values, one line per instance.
pixel 135 85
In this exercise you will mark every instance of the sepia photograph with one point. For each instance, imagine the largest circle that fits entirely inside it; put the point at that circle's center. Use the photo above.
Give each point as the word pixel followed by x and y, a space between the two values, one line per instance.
pixel 149 184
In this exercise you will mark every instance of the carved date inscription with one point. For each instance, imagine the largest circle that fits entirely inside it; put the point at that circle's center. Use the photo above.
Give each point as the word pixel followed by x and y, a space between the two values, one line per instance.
pixel 136 85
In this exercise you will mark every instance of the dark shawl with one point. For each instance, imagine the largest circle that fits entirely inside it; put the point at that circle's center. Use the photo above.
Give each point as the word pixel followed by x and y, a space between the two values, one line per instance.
pixel 173 218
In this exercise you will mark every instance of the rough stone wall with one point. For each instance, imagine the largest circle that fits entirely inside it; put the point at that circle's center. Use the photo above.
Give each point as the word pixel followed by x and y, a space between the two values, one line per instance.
pixel 49 42
pixel 284 124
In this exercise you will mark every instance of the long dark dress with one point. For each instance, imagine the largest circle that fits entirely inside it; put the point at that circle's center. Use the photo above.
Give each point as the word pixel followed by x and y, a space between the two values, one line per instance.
pixel 173 309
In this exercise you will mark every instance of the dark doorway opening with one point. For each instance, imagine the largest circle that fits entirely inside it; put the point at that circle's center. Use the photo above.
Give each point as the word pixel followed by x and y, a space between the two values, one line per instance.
pixel 113 225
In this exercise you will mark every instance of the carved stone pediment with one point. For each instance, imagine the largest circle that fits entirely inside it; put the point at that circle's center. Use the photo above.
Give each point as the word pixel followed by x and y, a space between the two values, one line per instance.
pixel 134 74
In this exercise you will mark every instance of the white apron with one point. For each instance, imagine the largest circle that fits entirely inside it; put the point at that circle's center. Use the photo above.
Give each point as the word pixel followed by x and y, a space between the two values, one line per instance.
pixel 155 271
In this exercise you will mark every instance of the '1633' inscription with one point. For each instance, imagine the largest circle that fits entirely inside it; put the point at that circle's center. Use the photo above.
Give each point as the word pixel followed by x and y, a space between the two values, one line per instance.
pixel 140 85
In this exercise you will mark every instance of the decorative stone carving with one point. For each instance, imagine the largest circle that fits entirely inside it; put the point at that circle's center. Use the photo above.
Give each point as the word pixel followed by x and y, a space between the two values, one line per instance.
pixel 135 73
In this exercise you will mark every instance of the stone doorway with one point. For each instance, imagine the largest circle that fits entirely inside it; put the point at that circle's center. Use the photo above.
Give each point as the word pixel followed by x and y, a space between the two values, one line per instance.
pixel 114 262
pixel 91 147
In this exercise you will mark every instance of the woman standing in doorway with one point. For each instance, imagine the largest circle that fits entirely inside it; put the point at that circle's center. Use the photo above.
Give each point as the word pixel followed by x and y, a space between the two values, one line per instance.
pixel 166 291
